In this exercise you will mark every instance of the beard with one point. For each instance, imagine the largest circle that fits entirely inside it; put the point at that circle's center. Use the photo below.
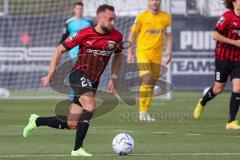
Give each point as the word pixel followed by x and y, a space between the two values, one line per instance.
pixel 105 29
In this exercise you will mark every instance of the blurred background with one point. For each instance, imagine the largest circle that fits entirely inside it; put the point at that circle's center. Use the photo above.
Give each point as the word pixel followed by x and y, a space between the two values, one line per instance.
pixel 31 29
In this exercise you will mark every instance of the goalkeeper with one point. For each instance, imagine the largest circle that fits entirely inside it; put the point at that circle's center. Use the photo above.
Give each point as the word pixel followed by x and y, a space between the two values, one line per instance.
pixel 150 28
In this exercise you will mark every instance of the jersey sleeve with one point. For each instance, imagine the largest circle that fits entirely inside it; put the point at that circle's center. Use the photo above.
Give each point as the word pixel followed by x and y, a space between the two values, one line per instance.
pixel 222 23
pixel 65 33
pixel 72 41
pixel 136 27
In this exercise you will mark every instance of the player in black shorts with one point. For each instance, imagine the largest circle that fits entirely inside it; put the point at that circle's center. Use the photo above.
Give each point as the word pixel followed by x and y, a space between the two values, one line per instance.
pixel 97 44
pixel 227 61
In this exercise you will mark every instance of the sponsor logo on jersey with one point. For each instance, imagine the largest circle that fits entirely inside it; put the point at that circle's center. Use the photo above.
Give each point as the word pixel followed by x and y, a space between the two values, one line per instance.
pixel 153 31
pixel 221 20
pixel 111 45
pixel 97 52
pixel 72 37
pixel 90 43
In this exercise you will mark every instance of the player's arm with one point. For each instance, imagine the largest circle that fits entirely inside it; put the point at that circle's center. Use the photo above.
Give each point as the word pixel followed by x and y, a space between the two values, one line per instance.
pixel 131 39
pixel 55 59
pixel 168 36
pixel 136 28
pixel 220 38
pixel 67 44
pixel 221 26
pixel 116 64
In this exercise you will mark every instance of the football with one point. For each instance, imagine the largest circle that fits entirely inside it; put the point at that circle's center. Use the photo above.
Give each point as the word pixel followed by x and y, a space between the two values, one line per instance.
pixel 123 144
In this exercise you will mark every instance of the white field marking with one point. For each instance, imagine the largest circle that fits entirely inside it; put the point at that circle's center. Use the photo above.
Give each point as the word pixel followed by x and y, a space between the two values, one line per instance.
pixel 136 154
pixel 125 131
pixel 194 134
pixel 161 132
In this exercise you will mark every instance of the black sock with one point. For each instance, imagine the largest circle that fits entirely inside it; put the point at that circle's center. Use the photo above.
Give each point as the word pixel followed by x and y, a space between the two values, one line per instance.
pixel 59 122
pixel 234 106
pixel 208 96
pixel 82 129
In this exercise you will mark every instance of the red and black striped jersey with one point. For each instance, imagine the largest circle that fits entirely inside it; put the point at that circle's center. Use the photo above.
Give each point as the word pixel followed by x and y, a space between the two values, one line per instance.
pixel 96 50
pixel 228 25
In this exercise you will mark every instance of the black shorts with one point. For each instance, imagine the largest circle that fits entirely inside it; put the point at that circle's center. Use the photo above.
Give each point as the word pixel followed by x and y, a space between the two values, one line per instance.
pixel 224 69
pixel 81 84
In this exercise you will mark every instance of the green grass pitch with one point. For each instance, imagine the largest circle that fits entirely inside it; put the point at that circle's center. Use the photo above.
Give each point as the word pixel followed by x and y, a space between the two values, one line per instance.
pixel 175 135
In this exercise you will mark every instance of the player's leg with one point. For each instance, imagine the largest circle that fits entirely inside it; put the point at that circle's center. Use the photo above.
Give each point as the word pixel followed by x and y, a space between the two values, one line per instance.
pixel 150 80
pixel 234 105
pixel 81 123
pixel 212 92
pixel 235 97
pixel 145 99
pixel 222 72
pixel 148 73
pixel 35 121
pixel 58 122
pixel 84 90
pixel 144 68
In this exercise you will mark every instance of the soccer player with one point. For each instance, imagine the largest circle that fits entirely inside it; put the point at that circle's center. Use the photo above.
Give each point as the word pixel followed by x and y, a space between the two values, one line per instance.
pixel 97 44
pixel 72 26
pixel 150 27
pixel 227 61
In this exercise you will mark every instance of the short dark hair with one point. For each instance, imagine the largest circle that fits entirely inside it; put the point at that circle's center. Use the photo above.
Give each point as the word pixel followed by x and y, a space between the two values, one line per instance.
pixel 228 4
pixel 79 4
pixel 104 7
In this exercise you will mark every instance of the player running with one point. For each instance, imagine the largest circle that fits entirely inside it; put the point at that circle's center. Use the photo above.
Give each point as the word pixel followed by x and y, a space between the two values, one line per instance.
pixel 97 44
pixel 227 61
pixel 72 26
pixel 150 28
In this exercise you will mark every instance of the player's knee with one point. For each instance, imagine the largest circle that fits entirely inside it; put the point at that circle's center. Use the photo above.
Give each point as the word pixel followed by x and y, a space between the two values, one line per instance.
pixel 236 89
pixel 72 124
pixel 147 79
pixel 90 108
pixel 218 89
pixel 88 103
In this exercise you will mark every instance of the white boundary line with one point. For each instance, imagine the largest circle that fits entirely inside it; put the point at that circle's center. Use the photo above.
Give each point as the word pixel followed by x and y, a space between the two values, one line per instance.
pixel 137 154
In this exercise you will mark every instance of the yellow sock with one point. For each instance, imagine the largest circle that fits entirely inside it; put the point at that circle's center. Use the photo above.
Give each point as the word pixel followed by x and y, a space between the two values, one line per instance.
pixel 145 99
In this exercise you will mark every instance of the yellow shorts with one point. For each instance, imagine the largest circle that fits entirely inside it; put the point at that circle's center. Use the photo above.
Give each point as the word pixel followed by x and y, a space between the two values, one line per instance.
pixel 149 64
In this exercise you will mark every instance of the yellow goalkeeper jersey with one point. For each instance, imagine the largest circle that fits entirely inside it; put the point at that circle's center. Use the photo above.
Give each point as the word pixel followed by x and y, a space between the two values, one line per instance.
pixel 151 30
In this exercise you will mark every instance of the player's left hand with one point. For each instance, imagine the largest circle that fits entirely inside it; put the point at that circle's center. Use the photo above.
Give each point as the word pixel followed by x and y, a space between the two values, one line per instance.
pixel 111 86
pixel 167 59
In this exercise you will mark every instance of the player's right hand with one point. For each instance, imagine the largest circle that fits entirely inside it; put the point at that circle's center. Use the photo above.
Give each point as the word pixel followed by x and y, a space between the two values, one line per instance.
pixel 46 80
pixel 130 57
